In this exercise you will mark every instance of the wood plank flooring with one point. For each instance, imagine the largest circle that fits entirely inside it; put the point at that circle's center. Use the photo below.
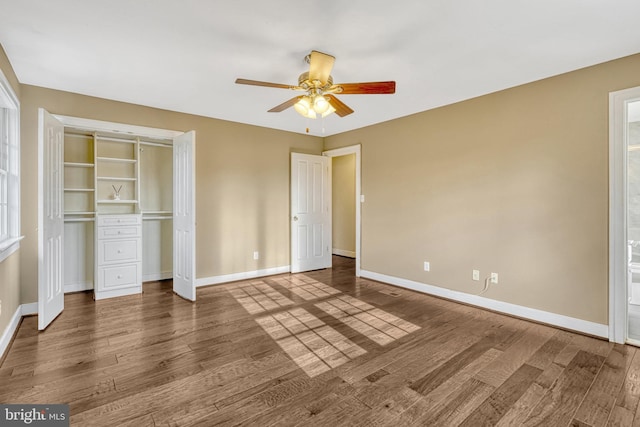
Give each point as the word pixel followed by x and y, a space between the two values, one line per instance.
pixel 314 349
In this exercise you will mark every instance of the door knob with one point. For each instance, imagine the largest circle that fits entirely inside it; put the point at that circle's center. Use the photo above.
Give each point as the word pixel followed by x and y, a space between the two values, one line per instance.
pixel 295 218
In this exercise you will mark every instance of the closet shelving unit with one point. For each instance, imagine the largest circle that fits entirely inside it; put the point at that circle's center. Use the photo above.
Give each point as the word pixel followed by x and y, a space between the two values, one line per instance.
pixel 106 230
pixel 117 168
pixel 79 167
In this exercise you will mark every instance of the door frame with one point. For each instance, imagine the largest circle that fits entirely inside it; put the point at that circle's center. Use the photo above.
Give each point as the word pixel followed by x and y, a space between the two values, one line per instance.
pixel 359 198
pixel 618 269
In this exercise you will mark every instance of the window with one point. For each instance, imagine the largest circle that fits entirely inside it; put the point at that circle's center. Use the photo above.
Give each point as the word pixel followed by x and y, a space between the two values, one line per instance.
pixel 9 169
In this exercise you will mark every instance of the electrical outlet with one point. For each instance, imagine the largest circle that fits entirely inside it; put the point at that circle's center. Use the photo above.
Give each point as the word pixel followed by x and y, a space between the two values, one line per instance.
pixel 494 278
pixel 427 266
pixel 476 275
pixel 256 255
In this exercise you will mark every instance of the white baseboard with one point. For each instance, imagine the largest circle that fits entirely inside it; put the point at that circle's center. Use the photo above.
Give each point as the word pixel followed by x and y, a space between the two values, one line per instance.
pixel 342 252
pixel 157 276
pixel 215 280
pixel 10 330
pixel 553 319
pixel 29 309
pixel 78 287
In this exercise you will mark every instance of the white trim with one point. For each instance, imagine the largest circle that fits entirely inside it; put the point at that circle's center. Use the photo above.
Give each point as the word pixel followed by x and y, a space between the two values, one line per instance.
pixel 112 293
pixel 9 247
pixel 112 127
pixel 13 243
pixel 225 278
pixel 553 319
pixel 342 252
pixel 354 149
pixel 10 330
pixel 618 268
pixel 164 275
pixel 78 287
pixel 29 309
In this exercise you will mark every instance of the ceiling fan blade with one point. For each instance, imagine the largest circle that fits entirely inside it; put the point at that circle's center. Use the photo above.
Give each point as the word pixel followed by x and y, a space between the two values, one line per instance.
pixel 367 88
pixel 266 84
pixel 285 105
pixel 320 66
pixel 342 109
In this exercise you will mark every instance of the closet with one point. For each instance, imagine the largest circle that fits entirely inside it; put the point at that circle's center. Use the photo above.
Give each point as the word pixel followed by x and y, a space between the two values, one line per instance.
pixel 116 207
pixel 113 201
pixel 118 200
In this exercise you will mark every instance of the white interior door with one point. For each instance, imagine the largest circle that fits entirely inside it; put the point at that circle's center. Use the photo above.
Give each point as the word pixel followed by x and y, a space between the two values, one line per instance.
pixel 184 216
pixel 310 212
pixel 50 218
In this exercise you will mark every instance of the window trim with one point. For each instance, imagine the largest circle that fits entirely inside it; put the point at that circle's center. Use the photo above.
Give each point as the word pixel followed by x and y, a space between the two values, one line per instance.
pixel 9 97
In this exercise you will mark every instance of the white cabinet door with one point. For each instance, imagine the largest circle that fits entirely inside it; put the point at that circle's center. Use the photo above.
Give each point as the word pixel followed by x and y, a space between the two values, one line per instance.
pixel 50 218
pixel 184 216
pixel 310 212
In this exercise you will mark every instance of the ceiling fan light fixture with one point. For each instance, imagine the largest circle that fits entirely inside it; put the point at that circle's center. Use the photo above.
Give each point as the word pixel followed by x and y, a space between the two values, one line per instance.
pixel 303 106
pixel 320 104
pixel 319 89
pixel 329 111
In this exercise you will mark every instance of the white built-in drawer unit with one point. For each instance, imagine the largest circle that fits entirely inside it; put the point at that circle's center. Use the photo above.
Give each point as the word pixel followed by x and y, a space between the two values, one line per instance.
pixel 119 276
pixel 119 255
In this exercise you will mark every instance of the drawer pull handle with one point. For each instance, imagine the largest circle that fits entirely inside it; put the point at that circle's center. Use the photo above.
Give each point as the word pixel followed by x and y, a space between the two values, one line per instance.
pixel 119 276
pixel 119 231
pixel 119 251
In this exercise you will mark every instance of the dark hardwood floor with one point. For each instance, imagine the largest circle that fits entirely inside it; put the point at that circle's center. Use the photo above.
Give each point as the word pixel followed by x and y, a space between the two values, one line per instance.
pixel 321 348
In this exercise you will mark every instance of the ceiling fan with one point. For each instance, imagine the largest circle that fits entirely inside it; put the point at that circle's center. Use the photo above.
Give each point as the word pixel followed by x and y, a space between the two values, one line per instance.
pixel 319 89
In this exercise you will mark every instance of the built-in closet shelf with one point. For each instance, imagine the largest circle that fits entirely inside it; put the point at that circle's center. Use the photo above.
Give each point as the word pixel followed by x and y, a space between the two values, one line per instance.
pixel 156 218
pixel 116 160
pixel 115 178
pixel 78 165
pixel 76 190
pixel 157 212
pixel 117 202
pixel 79 220
pixel 79 213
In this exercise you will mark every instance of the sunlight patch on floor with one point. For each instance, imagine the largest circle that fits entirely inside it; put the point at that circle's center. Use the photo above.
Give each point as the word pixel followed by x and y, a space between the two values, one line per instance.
pixel 258 297
pixel 313 345
pixel 306 287
pixel 377 325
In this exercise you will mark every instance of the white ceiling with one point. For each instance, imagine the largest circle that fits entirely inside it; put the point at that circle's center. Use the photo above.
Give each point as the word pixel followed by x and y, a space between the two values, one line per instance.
pixel 185 55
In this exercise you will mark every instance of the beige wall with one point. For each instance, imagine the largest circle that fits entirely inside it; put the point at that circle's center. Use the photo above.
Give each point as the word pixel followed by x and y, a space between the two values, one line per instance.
pixel 242 182
pixel 343 202
pixel 515 182
pixel 10 267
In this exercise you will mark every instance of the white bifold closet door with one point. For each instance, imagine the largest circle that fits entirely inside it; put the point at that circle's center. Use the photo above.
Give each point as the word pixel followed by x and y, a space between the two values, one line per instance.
pixel 184 216
pixel 50 218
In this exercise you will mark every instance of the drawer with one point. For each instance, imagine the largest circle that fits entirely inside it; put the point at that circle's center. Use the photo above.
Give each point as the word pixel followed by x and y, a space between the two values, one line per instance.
pixel 113 220
pixel 119 276
pixel 119 232
pixel 119 251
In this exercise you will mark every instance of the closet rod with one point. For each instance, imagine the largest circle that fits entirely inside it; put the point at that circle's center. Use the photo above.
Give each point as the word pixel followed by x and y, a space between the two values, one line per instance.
pixel 156 144
pixel 78 135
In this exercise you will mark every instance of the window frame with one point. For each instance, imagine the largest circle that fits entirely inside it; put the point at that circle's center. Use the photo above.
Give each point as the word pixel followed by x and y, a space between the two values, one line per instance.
pixel 9 101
